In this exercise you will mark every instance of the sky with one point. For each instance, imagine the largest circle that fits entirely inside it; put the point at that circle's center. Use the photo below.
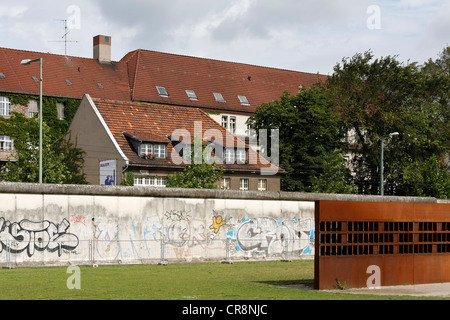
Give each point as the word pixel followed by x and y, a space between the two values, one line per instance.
pixel 301 35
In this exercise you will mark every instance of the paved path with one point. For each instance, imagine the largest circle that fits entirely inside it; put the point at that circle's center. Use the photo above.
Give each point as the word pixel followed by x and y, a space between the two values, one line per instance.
pixel 420 290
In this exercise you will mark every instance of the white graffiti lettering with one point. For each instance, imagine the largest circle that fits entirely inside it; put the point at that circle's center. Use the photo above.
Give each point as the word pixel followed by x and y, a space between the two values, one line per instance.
pixel 270 235
pixel 28 235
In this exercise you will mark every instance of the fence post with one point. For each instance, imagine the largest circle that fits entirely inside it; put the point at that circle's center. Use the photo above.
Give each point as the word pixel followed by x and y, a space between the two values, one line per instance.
pixel 8 254
pixel 91 254
pixel 162 261
pixel 227 252
pixel 286 251
pixel 91 260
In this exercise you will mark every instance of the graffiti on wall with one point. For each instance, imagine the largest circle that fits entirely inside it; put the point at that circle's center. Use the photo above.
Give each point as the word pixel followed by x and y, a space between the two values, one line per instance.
pixel 218 221
pixel 275 236
pixel 185 230
pixel 28 235
pixel 184 235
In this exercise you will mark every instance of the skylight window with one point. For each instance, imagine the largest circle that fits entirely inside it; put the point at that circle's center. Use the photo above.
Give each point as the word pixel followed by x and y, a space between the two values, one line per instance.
pixel 35 79
pixel 100 85
pixel 2 75
pixel 191 95
pixel 219 97
pixel 243 100
pixel 68 82
pixel 162 92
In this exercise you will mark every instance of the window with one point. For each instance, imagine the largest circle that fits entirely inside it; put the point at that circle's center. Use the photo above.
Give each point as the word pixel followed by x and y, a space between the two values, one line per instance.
pixel 60 109
pixel 225 122
pixel 2 75
pixel 233 125
pixel 107 40
pixel 159 150
pixel 262 184
pixel 5 106
pixel 186 152
pixel 145 149
pixel 219 97
pixel 191 95
pixel 33 110
pixel 243 184
pixel 226 182
pixel 6 142
pixel 150 181
pixel 156 150
pixel 229 155
pixel 162 92
pixel 243 100
pixel 241 155
pixel 250 131
pixel 68 82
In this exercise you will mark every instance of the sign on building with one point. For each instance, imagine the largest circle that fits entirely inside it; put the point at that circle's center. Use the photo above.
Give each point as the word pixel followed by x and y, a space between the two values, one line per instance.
pixel 108 173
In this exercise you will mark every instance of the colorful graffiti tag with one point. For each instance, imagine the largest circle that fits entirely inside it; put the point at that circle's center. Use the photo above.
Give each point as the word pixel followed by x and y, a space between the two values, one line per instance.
pixel 273 236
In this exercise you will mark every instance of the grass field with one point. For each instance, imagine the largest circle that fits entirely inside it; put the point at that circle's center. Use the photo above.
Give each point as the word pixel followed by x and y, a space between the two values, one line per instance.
pixel 182 281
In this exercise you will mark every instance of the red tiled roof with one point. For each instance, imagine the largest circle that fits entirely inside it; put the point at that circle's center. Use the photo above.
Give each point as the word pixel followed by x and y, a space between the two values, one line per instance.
pixel 136 75
pixel 84 75
pixel 148 122
pixel 177 73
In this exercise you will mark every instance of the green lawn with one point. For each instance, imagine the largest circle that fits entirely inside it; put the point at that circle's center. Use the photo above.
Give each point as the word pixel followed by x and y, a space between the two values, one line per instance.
pixel 181 281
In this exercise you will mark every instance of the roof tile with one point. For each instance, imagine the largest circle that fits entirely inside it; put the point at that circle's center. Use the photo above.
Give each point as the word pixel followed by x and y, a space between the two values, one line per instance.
pixel 153 122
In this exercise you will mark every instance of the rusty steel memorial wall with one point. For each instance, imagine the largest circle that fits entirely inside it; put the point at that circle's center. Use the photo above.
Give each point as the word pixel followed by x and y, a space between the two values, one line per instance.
pixel 373 244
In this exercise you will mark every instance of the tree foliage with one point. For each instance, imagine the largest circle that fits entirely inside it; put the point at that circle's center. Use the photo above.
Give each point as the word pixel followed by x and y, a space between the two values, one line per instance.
pixel 309 132
pixel 336 177
pixel 199 173
pixel 62 160
pixel 368 99
pixel 378 96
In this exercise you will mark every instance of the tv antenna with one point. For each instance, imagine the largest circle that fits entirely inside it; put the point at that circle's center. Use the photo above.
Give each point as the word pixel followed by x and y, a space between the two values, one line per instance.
pixel 66 32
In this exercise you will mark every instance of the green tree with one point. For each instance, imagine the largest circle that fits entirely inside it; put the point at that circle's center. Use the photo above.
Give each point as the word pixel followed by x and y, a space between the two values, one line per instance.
pixel 336 177
pixel 375 97
pixel 429 178
pixel 438 73
pixel 309 131
pixel 62 160
pixel 199 173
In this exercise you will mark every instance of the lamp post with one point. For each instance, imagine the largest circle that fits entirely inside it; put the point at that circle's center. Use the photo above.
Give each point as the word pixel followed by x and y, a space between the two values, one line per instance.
pixel 381 161
pixel 27 62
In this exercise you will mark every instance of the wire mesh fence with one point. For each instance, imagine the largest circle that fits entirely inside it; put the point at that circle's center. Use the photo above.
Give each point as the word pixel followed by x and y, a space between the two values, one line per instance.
pixel 38 252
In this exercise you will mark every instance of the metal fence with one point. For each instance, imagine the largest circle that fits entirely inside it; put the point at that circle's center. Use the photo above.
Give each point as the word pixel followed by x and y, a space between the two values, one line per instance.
pixel 38 252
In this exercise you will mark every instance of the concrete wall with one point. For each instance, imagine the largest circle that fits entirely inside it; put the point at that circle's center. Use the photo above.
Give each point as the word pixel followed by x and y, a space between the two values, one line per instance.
pixel 68 224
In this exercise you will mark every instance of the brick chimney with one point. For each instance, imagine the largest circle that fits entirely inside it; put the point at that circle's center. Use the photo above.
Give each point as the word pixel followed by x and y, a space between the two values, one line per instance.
pixel 102 49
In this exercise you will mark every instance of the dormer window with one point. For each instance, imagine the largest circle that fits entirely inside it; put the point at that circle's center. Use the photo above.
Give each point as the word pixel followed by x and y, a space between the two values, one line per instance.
pixel 235 155
pixel 162 91
pixel 153 150
pixel 241 156
pixel 243 100
pixel 219 97
pixel 191 95
pixel 229 155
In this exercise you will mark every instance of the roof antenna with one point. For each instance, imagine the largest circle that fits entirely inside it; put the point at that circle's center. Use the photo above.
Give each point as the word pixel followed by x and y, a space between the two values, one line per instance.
pixel 66 32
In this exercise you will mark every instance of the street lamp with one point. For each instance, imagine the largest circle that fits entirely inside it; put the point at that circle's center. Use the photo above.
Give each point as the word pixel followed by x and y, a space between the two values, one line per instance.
pixel 381 161
pixel 27 62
